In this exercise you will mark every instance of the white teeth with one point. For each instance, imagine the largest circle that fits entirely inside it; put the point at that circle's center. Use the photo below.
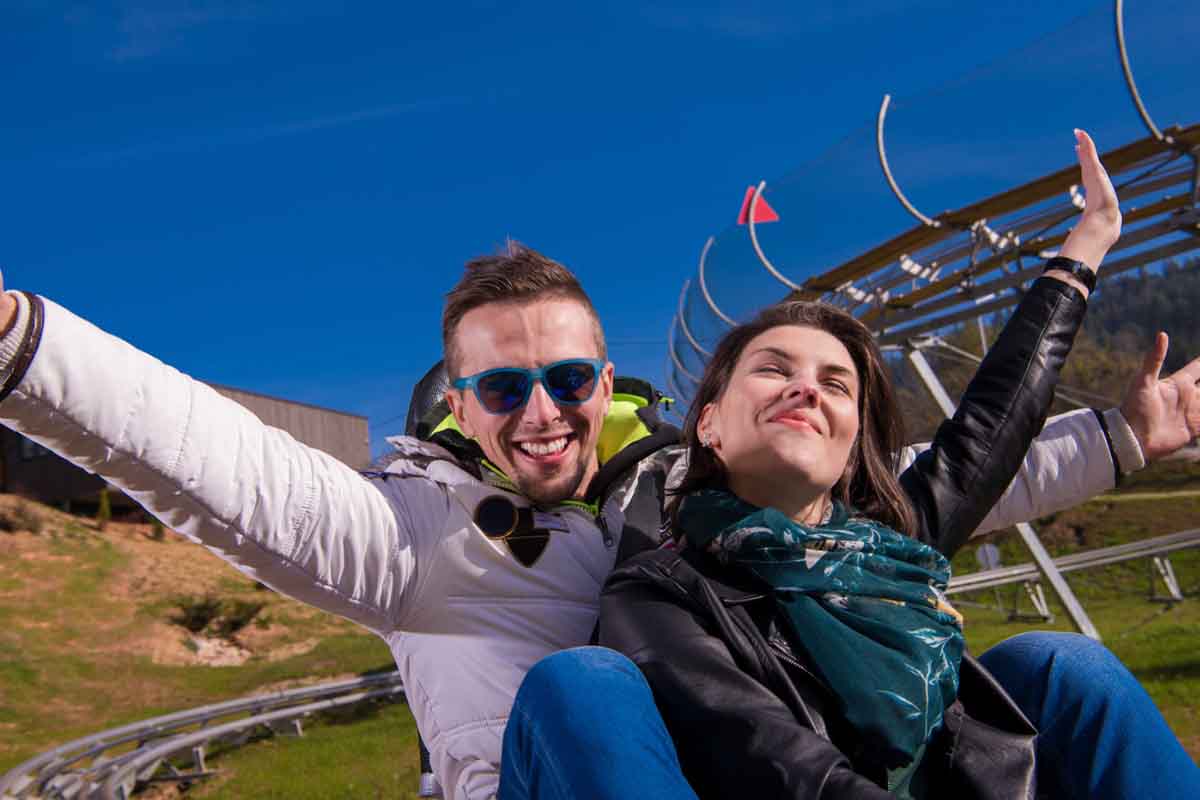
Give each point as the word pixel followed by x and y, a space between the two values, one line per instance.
pixel 543 448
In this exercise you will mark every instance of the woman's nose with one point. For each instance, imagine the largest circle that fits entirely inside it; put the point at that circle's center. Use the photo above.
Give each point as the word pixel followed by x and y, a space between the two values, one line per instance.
pixel 805 389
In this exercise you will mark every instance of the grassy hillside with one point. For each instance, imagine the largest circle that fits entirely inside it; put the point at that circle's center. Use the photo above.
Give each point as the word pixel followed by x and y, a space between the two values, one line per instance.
pixel 87 640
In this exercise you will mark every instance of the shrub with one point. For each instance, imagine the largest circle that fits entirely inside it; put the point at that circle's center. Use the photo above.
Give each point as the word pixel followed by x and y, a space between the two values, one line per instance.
pixel 195 613
pixel 23 517
pixel 236 615
pixel 223 618
pixel 157 532
pixel 104 511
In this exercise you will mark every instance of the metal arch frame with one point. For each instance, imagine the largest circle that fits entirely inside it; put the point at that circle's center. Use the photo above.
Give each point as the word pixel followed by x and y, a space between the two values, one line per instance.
pixel 937 305
pixel 679 315
pixel 762 257
pixel 977 238
pixel 1135 95
pixel 887 170
pixel 674 358
pixel 704 286
pixel 673 386
pixel 980 233
pixel 1127 70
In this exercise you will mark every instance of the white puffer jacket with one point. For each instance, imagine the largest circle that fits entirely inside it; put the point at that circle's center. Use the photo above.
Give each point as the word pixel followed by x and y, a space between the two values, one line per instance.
pixel 399 554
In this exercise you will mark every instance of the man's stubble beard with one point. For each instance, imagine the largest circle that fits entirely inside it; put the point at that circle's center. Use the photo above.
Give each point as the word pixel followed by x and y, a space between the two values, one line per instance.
pixel 541 494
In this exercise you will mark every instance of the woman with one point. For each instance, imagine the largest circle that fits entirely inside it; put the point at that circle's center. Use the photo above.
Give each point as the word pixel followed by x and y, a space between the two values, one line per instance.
pixel 799 644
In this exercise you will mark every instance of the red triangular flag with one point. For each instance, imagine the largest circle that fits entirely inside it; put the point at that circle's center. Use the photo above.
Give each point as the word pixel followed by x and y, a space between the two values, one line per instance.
pixel 762 212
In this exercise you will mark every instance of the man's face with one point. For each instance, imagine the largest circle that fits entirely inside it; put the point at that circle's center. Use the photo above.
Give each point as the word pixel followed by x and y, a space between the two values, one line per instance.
pixel 548 450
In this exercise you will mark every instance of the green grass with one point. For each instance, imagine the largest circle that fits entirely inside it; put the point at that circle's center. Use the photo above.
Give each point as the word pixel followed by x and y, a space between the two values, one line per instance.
pixel 1158 642
pixel 70 662
pixel 362 755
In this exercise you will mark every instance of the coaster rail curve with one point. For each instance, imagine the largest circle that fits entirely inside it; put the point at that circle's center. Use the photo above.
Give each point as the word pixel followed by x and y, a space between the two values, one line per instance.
pixel 84 768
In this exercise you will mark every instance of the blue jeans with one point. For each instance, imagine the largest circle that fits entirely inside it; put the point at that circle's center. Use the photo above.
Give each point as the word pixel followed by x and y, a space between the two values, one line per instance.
pixel 1101 736
pixel 584 724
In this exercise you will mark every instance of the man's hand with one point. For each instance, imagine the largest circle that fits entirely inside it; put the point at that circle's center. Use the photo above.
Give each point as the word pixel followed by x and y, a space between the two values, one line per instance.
pixel 8 307
pixel 1164 414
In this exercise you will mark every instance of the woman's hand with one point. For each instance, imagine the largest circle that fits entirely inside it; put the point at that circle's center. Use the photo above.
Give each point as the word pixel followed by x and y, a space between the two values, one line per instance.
pixel 1099 225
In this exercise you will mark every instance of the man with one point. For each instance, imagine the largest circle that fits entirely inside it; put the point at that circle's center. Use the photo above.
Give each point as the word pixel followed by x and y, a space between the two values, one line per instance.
pixel 473 556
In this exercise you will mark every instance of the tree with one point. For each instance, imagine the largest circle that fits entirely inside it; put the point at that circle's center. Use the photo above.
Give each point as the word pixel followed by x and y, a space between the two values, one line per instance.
pixel 104 511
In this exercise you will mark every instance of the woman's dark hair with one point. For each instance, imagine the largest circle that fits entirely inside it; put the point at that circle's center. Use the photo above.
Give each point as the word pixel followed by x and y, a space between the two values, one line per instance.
pixel 869 483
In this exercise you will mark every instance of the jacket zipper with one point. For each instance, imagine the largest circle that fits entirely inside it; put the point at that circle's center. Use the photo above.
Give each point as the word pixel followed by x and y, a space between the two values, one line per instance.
pixel 603 523
pixel 783 654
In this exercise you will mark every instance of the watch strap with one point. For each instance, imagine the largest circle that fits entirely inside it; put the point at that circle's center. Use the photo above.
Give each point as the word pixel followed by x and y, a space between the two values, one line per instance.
pixel 1079 270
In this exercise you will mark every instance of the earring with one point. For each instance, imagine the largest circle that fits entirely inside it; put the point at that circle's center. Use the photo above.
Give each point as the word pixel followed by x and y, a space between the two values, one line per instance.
pixel 705 440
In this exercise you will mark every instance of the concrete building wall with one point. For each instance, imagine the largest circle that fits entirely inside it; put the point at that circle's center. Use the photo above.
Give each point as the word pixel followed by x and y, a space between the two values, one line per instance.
pixel 33 471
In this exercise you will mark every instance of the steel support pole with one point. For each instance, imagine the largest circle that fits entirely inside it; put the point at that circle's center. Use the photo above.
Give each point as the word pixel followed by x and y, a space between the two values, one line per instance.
pixel 1028 535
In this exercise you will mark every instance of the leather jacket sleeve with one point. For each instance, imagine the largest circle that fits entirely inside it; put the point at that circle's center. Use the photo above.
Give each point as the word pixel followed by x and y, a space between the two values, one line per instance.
pixel 976 453
pixel 716 711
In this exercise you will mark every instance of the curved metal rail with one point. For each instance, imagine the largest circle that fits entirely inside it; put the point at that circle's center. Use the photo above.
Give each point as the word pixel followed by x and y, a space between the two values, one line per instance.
pixel 721 315
pixel 1127 70
pixel 887 170
pixel 752 227
pixel 680 317
pixel 931 278
pixel 973 261
pixel 89 767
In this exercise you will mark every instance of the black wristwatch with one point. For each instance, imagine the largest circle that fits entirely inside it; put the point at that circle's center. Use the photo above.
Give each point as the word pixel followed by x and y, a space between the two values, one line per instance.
pixel 1081 271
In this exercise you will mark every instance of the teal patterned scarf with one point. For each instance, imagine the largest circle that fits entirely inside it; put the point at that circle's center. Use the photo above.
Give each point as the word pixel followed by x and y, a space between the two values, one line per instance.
pixel 864 603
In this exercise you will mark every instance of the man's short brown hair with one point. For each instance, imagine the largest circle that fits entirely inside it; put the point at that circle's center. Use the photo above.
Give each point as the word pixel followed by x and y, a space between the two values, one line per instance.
pixel 519 274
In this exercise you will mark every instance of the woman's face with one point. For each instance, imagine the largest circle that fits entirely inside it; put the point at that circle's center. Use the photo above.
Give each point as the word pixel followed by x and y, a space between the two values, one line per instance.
pixel 789 416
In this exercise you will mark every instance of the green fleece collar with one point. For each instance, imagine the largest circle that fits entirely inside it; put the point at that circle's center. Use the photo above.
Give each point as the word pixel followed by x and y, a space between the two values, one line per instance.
pixel 622 427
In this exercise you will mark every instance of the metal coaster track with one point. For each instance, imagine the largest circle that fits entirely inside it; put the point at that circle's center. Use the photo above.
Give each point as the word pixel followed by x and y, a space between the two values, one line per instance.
pixel 112 764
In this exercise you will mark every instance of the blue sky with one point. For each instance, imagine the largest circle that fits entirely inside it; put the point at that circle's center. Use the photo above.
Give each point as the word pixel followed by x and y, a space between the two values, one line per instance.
pixel 276 196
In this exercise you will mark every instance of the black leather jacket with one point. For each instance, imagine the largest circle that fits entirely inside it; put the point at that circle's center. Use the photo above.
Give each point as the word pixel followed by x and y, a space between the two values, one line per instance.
pixel 748 715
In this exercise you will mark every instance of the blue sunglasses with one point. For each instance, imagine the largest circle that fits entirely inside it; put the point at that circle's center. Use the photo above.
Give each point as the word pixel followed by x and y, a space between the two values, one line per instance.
pixel 504 390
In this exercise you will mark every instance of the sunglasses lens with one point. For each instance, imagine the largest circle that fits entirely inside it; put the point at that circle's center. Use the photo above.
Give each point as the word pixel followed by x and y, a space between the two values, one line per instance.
pixel 503 391
pixel 572 382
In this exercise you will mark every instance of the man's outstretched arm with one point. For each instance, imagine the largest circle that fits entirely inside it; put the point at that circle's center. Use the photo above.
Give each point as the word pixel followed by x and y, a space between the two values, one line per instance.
pixel 1082 453
pixel 286 514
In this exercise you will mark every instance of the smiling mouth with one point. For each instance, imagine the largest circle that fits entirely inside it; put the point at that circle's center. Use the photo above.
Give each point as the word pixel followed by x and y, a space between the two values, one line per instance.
pixel 795 421
pixel 545 450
